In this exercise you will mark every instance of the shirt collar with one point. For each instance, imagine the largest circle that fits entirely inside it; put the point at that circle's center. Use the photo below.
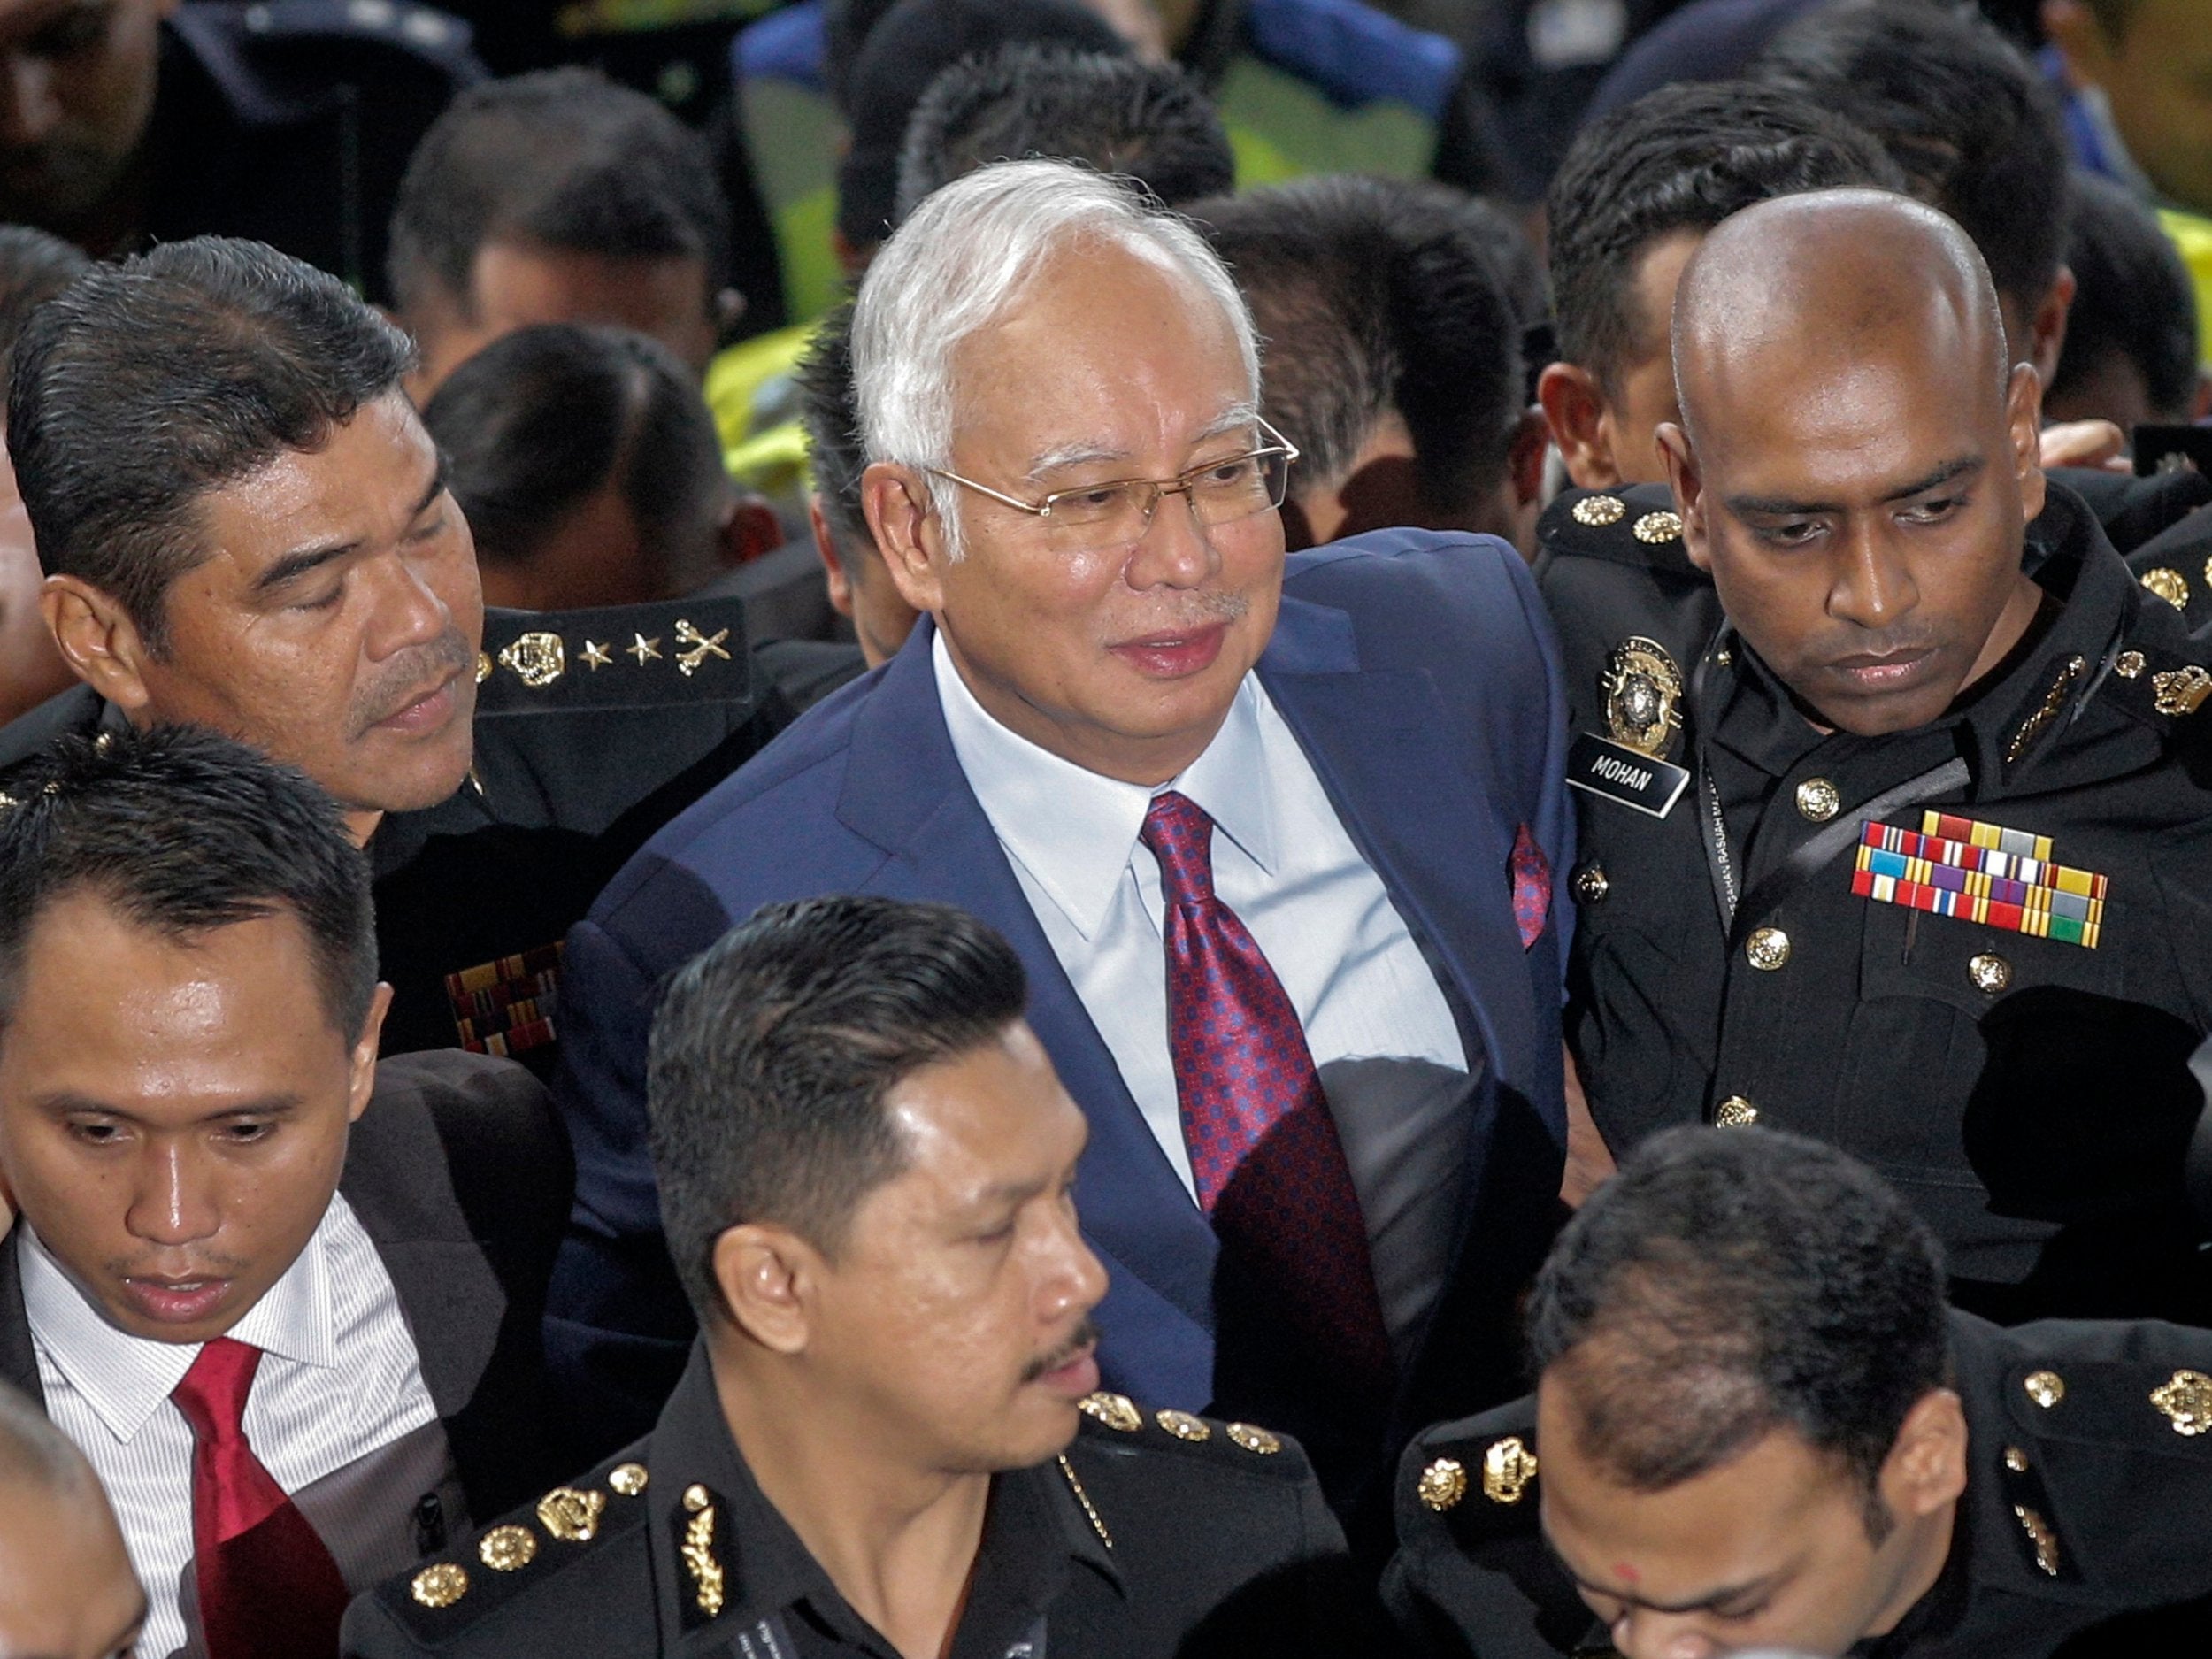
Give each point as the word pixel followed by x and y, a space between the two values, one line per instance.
pixel 124 1378
pixel 1074 830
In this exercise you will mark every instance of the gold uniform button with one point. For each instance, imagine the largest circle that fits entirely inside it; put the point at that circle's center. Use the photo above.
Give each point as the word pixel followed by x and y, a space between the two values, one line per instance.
pixel 2169 585
pixel 441 1585
pixel 508 1548
pixel 1767 949
pixel 2046 1388
pixel 1597 511
pixel 2016 1460
pixel 2128 665
pixel 1443 1484
pixel 1818 800
pixel 1990 973
pixel 1257 1442
pixel 1735 1112
pixel 1590 885
pixel 1656 529
pixel 1183 1426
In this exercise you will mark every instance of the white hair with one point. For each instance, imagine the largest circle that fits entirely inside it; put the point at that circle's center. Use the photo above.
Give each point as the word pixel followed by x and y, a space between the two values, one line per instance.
pixel 958 263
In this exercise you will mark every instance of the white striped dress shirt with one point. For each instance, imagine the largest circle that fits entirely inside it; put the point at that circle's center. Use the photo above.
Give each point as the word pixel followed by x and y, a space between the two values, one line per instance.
pixel 339 1381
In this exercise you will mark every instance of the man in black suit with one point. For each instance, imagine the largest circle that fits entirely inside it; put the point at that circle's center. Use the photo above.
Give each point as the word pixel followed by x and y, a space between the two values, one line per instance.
pixel 297 1353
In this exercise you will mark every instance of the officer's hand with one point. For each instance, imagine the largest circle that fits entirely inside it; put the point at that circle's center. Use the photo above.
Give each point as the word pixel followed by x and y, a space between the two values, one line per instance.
pixel 2097 443
pixel 1589 1160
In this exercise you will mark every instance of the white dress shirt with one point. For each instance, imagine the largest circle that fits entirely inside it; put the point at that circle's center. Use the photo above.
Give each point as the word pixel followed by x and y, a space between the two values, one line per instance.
pixel 1382 1036
pixel 339 1383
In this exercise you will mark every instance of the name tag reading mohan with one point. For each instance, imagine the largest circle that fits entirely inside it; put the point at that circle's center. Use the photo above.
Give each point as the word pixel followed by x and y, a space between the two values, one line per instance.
pixel 1624 775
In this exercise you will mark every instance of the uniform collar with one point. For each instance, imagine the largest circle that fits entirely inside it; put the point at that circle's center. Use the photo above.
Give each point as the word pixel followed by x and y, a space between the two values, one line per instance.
pixel 1035 1530
pixel 124 1378
pixel 1074 830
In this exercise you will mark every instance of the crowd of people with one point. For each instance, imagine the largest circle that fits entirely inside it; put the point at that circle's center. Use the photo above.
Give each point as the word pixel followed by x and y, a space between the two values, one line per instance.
pixel 1132 890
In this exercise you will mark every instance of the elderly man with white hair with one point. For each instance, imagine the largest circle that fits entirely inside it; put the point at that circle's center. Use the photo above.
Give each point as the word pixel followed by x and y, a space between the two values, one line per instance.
pixel 1281 844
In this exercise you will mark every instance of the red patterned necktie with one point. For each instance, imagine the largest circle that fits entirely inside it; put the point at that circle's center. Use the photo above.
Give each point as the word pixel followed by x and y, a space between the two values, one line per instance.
pixel 268 1587
pixel 1264 1155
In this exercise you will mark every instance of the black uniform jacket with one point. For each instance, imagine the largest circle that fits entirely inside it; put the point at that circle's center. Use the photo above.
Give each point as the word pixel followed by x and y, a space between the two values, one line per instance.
pixel 593 729
pixel 459 1172
pixel 291 121
pixel 1141 1540
pixel 2013 1057
pixel 2087 1468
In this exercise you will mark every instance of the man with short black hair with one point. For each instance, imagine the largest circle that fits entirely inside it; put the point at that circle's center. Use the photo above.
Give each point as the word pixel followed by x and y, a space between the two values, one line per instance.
pixel 66 1586
pixel 287 1305
pixel 34 267
pixel 1757 1426
pixel 246 526
pixel 560 196
pixel 1637 193
pixel 2131 351
pixel 1393 361
pixel 889 1439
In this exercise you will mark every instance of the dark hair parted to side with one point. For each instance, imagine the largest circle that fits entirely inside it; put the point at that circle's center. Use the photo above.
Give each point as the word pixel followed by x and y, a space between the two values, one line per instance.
pixel 1150 122
pixel 773 1052
pixel 1959 107
pixel 562 158
pixel 1371 295
pixel 145 386
pixel 543 419
pixel 1682 158
pixel 2134 301
pixel 826 413
pixel 34 267
pixel 182 832
pixel 1727 1283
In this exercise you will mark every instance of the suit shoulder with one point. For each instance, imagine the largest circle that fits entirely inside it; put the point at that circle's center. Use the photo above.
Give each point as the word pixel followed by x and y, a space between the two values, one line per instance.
pixel 1635 525
pixel 396 36
pixel 1469 1482
pixel 2176 565
pixel 615 658
pixel 79 710
pixel 495 1121
pixel 1124 1444
pixel 1373 568
pixel 573 1562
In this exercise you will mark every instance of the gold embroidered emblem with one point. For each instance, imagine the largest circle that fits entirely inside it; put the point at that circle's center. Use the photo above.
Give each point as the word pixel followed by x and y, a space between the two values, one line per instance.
pixel 1735 1112
pixel 1442 1483
pixel 697 647
pixel 1656 529
pixel 698 1552
pixel 571 1516
pixel 2053 700
pixel 1254 1439
pixel 441 1585
pixel 2169 585
pixel 644 650
pixel 627 1480
pixel 2046 1388
pixel 2041 1537
pixel 1597 511
pixel 1116 1411
pixel 2186 1399
pixel 1509 1468
pixel 1643 696
pixel 508 1548
pixel 483 666
pixel 1183 1426
pixel 593 656
pixel 2180 690
pixel 535 659
pixel 2128 665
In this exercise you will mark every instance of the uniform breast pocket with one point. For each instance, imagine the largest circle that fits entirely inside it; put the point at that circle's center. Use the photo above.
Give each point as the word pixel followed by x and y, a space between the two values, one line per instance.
pixel 2018 1064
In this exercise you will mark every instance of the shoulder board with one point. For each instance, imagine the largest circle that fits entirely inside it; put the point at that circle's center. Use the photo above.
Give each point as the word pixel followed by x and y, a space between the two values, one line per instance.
pixel 1474 1480
pixel 618 657
pixel 569 1526
pixel 1634 525
pixel 2176 567
pixel 1113 1422
pixel 2161 671
pixel 420 31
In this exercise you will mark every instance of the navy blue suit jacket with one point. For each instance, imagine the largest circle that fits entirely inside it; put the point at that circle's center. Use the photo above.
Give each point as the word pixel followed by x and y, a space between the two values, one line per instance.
pixel 1420 673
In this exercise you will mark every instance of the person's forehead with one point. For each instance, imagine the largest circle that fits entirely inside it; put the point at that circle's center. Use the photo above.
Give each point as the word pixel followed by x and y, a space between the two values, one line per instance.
pixel 377 462
pixel 992 1114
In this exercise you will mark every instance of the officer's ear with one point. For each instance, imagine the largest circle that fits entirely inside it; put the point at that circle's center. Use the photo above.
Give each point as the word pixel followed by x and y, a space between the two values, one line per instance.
pixel 1689 494
pixel 1575 409
pixel 99 641
pixel 2023 429
pixel 1925 1469
pixel 767 1276
pixel 904 520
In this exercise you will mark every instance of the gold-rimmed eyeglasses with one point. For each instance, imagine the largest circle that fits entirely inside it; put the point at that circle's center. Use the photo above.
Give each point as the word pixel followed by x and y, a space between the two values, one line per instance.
pixel 1219 492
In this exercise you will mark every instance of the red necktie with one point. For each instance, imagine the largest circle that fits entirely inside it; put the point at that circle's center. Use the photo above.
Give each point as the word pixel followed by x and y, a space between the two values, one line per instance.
pixel 1264 1155
pixel 268 1587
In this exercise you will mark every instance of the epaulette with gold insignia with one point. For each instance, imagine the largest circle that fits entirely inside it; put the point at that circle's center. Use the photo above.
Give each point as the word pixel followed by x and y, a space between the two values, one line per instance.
pixel 1110 1419
pixel 2158 671
pixel 1636 525
pixel 1475 1479
pixel 468 1583
pixel 618 657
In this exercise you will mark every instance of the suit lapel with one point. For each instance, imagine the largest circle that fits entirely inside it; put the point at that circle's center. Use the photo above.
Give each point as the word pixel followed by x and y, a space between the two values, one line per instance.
pixel 905 793
pixel 19 1358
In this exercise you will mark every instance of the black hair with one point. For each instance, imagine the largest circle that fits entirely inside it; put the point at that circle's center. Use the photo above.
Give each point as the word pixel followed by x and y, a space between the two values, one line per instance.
pixel 771 1054
pixel 1682 158
pixel 34 267
pixel 1727 1283
pixel 182 831
pixel 1961 110
pixel 837 457
pixel 2133 299
pixel 563 157
pixel 544 418
pixel 1373 294
pixel 914 42
pixel 144 387
pixel 1150 122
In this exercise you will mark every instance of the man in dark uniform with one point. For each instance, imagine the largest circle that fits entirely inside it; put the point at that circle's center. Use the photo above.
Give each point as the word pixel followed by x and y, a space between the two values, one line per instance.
pixel 129 122
pixel 887 1441
pixel 1888 835
pixel 245 525
pixel 1756 1425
